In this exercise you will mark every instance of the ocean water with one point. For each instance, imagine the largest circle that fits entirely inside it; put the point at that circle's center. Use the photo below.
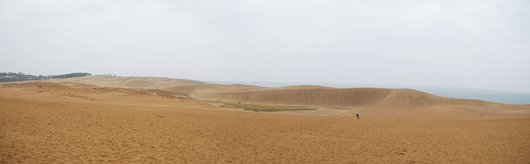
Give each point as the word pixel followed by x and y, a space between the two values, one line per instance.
pixel 506 97
pixel 493 96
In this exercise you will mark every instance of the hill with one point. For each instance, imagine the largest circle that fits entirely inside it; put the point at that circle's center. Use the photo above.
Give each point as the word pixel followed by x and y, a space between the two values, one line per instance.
pixel 374 102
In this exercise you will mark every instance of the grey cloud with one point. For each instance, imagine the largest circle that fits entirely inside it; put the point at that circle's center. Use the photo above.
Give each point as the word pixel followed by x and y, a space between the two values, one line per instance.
pixel 474 44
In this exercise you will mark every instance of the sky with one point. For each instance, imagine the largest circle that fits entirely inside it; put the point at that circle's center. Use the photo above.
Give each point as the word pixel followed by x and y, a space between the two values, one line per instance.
pixel 482 44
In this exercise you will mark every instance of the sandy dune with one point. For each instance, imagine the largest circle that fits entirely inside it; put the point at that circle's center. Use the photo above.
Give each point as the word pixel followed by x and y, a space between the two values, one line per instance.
pixel 113 120
pixel 375 102
pixel 183 87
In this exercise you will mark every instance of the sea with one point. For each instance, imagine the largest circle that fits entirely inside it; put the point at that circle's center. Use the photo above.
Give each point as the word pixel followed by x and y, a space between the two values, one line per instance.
pixel 506 97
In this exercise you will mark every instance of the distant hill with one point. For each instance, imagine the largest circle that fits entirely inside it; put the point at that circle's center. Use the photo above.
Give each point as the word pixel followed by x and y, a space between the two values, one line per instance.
pixel 372 102
pixel 12 77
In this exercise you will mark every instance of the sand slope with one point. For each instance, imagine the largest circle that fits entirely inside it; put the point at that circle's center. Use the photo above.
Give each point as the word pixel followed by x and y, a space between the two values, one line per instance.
pixel 177 86
pixel 375 102
pixel 73 124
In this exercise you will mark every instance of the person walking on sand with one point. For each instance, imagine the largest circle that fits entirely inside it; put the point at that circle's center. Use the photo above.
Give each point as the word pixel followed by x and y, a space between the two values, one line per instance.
pixel 357 115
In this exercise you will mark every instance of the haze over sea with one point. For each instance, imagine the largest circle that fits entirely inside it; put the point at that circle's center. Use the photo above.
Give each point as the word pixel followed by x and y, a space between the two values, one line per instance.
pixel 507 97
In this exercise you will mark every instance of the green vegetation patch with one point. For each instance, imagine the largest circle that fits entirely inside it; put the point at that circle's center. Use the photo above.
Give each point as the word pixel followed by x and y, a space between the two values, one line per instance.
pixel 263 108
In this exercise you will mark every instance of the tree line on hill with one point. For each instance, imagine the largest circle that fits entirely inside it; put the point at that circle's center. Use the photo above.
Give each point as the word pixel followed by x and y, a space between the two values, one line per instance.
pixel 12 76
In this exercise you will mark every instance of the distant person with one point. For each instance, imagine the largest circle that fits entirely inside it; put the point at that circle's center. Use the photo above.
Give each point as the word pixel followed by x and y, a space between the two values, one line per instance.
pixel 357 115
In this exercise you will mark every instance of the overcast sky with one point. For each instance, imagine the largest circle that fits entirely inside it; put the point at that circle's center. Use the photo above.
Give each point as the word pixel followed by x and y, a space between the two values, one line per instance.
pixel 466 44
